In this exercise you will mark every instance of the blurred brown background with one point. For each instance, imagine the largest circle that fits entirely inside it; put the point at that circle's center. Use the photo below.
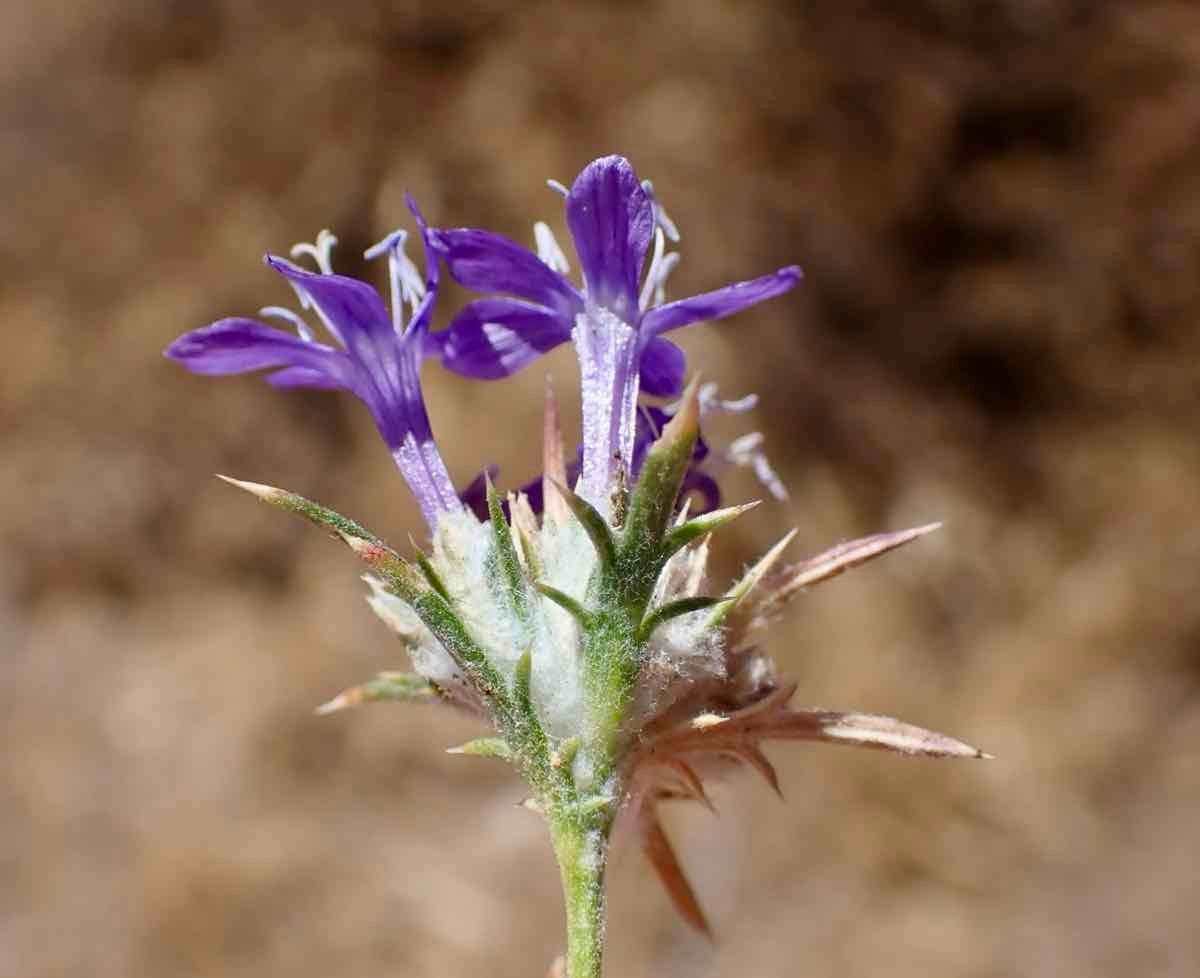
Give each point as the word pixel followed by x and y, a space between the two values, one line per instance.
pixel 997 207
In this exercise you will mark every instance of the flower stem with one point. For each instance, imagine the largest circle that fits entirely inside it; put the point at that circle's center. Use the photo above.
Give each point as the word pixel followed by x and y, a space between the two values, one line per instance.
pixel 582 849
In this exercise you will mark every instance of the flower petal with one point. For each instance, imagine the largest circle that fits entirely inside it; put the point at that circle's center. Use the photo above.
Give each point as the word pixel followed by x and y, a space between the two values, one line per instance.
pixel 292 377
pixel 424 312
pixel 493 338
pixel 663 366
pixel 385 366
pixel 611 220
pixel 721 302
pixel 238 346
pixel 352 309
pixel 487 262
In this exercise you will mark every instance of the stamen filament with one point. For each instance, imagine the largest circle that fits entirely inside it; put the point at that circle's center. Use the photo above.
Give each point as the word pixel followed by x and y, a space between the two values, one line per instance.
pixel 548 249
pixel 405 281
pixel 288 316
pixel 748 451
pixel 650 286
pixel 661 218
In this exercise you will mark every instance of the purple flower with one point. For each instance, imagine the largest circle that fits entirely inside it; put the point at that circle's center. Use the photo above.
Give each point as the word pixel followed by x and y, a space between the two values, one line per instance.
pixel 374 355
pixel 616 326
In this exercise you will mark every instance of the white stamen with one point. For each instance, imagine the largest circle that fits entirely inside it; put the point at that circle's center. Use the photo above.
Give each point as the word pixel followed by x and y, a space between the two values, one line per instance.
pixel 405 279
pixel 555 185
pixel 748 451
pixel 669 262
pixel 710 400
pixel 649 419
pixel 650 286
pixel 294 319
pixel 661 218
pixel 548 250
pixel 320 251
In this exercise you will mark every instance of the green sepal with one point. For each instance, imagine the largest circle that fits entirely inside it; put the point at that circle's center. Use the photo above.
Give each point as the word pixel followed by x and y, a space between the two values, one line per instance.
pixel 525 728
pixel 401 687
pixel 684 606
pixel 593 524
pixel 522 676
pixel 484 747
pixel 680 536
pixel 567 603
pixel 408 584
pixel 748 581
pixel 431 574
pixel 652 503
pixel 509 563
pixel 529 550
pixel 440 618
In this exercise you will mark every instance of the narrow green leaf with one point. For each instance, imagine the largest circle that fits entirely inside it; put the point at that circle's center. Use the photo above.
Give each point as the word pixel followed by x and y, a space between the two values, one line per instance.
pixel 313 512
pixel 525 732
pixel 407 583
pixel 593 524
pixel 684 606
pixel 403 687
pixel 484 747
pixel 509 563
pixel 748 581
pixel 567 603
pixel 652 502
pixel 679 536
pixel 521 679
pixel 427 568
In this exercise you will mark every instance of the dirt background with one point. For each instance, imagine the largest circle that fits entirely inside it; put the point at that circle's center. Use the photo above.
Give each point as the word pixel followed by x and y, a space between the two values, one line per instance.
pixel 997 207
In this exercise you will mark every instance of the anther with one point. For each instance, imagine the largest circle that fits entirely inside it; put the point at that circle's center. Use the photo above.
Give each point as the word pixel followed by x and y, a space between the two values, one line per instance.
pixel 320 251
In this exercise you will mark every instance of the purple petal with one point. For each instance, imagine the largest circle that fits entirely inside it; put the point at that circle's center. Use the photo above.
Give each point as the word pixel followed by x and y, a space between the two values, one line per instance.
pixel 352 308
pixel 663 366
pixel 385 375
pixel 493 338
pixel 720 303
pixel 424 312
pixel 487 262
pixel 237 346
pixel 292 377
pixel 611 220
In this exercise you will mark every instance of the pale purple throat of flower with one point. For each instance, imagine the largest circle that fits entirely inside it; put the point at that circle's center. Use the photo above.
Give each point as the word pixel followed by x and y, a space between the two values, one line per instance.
pixel 616 321
pixel 376 353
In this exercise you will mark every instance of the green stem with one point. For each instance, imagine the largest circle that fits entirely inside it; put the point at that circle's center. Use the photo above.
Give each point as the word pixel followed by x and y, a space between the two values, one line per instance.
pixel 582 849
